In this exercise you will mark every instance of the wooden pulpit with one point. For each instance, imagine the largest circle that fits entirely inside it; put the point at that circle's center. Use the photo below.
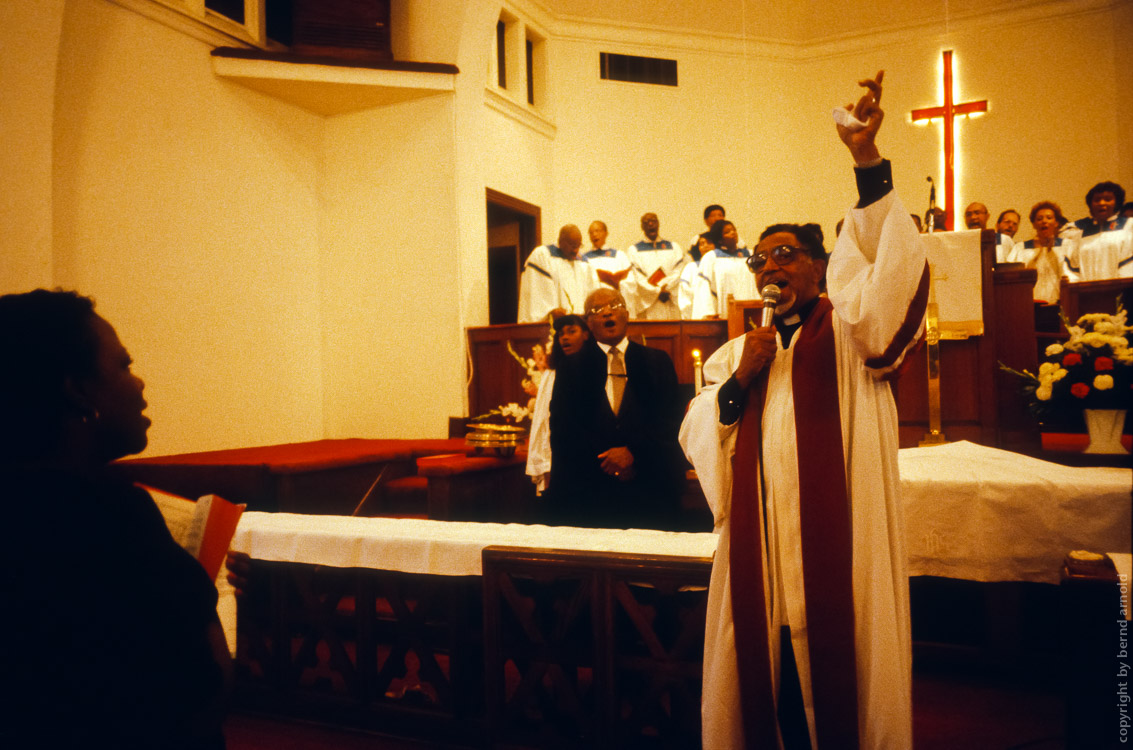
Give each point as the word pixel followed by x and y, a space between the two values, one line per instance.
pixel 979 402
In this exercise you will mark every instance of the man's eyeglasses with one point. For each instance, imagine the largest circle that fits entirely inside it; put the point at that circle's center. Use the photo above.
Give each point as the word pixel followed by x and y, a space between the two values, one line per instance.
pixel 608 307
pixel 783 255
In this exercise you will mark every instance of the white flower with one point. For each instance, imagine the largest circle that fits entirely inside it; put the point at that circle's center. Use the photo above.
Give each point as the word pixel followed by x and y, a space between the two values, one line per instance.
pixel 514 410
pixel 1042 393
pixel 1103 382
pixel 1095 340
pixel 1060 374
pixel 1052 350
pixel 1048 368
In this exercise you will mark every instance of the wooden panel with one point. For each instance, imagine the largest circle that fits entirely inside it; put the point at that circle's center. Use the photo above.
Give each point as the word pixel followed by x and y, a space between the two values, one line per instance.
pixel 365 648
pixel 588 649
pixel 496 377
pixel 1094 296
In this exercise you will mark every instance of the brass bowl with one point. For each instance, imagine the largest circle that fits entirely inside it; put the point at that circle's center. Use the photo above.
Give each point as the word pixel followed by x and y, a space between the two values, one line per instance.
pixel 494 439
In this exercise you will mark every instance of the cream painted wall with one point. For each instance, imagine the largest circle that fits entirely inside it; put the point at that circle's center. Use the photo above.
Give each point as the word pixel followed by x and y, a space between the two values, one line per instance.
pixel 1051 132
pixel 758 114
pixel 266 266
pixel 390 274
pixel 188 207
pixel 721 136
pixel 29 50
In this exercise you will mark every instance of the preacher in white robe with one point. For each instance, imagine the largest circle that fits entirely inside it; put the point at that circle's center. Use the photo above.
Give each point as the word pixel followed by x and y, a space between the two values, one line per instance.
pixel 805 492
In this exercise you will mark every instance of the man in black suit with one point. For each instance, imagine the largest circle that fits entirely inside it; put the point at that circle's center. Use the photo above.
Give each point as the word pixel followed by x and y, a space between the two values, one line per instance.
pixel 615 413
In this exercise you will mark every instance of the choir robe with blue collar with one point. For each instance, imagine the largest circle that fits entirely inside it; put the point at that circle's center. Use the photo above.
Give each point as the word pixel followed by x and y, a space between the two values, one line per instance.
pixel 721 274
pixel 550 281
pixel 662 261
pixel 878 288
pixel 615 261
pixel 1102 252
pixel 1050 264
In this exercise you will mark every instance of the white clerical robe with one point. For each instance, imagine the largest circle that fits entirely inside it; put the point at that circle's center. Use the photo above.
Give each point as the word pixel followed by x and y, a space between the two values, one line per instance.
pixel 657 266
pixel 876 280
pixel 539 441
pixel 722 274
pixel 549 281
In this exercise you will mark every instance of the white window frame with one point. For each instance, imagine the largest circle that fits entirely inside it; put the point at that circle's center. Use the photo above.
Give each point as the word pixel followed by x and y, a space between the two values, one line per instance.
pixel 193 17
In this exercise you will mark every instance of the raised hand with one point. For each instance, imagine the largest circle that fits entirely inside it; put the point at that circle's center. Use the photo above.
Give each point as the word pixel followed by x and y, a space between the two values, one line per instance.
pixel 861 141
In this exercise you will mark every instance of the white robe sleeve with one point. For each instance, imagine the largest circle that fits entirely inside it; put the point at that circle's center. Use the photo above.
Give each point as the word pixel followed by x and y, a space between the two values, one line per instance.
pixel 708 444
pixel 643 294
pixel 685 286
pixel 703 293
pixel 539 441
pixel 874 274
pixel 538 291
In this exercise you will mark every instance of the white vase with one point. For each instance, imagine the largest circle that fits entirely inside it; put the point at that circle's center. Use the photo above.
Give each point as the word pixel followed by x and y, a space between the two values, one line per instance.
pixel 1104 426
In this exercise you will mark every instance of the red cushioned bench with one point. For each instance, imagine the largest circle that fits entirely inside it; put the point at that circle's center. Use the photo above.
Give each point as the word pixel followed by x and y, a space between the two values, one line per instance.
pixel 478 488
pixel 321 476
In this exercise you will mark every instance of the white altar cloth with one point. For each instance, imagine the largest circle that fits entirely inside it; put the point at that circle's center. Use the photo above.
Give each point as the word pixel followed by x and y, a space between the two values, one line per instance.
pixel 971 512
pixel 985 514
pixel 451 548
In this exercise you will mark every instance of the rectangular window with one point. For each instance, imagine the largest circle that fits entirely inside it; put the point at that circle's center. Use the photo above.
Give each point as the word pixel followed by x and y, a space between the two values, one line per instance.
pixel 501 53
pixel 634 69
pixel 233 9
pixel 530 72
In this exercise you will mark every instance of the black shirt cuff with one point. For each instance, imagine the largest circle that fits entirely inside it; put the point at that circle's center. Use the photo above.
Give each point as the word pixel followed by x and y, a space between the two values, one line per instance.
pixel 730 398
pixel 874 183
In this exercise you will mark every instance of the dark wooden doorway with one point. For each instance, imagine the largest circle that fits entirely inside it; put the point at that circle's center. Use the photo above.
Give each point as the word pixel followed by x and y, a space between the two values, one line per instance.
pixel 514 230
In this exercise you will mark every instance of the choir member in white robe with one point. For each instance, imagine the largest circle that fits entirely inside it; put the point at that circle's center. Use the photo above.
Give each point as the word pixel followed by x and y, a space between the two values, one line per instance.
pixel 555 279
pixel 820 550
pixel 570 333
pixel 1104 249
pixel 657 265
pixel 1003 247
pixel 723 272
pixel 686 285
pixel 612 265
pixel 1046 253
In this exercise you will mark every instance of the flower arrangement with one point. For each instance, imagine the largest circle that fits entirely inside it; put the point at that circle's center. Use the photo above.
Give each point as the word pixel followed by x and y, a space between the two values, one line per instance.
pixel 535 365
pixel 1093 369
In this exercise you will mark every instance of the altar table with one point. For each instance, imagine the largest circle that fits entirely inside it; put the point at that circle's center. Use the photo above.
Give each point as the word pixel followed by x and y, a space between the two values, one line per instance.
pixel 449 548
pixel 983 514
pixel 533 634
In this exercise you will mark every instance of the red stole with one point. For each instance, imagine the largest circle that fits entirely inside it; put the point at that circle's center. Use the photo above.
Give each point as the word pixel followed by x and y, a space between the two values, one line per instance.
pixel 826 548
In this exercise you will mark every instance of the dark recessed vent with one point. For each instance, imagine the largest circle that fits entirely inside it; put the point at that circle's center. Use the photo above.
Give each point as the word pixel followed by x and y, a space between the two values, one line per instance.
pixel 638 69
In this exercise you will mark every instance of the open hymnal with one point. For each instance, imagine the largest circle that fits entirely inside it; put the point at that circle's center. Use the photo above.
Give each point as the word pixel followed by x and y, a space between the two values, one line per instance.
pixel 204 528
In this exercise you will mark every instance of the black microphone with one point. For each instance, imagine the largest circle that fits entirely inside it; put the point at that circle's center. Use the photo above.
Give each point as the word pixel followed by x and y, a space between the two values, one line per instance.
pixel 770 296
pixel 931 193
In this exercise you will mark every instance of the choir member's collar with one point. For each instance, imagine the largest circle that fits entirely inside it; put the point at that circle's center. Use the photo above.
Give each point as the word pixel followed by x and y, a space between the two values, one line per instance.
pixel 620 346
pixel 605 252
pixel 557 253
pixel 787 326
pixel 741 252
pixel 660 244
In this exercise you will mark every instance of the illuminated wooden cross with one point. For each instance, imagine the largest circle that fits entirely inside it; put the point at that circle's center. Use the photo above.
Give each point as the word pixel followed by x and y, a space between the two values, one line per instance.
pixel 949 111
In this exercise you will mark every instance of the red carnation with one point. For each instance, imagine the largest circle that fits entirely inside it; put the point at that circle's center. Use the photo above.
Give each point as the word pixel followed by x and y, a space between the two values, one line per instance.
pixel 1101 364
pixel 1071 359
pixel 1079 389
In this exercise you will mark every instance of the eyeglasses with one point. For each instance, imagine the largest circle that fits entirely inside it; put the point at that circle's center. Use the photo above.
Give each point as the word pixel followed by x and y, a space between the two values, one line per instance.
pixel 783 255
pixel 608 307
